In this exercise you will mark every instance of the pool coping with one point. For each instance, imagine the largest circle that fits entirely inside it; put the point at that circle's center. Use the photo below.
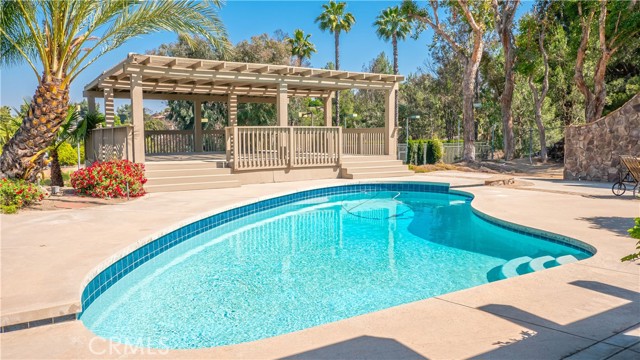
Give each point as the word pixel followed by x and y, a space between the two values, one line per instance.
pixel 73 311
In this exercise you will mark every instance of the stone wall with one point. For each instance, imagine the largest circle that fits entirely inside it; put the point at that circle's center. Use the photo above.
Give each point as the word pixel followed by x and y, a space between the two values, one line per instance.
pixel 591 151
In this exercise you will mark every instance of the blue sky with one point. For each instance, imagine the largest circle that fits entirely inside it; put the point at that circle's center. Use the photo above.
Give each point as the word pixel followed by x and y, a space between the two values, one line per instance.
pixel 244 19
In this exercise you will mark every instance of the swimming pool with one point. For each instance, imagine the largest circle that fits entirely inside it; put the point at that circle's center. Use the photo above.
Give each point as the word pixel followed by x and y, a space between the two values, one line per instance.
pixel 307 259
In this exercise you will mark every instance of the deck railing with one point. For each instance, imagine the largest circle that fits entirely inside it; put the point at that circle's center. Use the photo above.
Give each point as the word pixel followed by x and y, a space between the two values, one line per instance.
pixel 213 140
pixel 168 141
pixel 274 147
pixel 364 141
pixel 110 143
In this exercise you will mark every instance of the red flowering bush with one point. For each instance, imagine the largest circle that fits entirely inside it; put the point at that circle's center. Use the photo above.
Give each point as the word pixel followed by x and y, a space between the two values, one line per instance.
pixel 15 194
pixel 110 179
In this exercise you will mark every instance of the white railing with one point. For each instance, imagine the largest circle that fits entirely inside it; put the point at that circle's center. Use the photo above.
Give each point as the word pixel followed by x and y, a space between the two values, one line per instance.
pixel 168 141
pixel 111 143
pixel 363 141
pixel 254 147
pixel 316 146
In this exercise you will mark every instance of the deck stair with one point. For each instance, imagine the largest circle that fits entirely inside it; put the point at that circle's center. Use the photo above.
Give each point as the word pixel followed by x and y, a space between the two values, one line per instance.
pixel 525 264
pixel 164 176
pixel 374 166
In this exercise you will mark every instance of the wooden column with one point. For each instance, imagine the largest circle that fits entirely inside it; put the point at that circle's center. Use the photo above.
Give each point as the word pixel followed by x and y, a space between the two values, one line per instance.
pixel 137 118
pixel 232 110
pixel 327 111
pixel 390 130
pixel 109 107
pixel 282 102
pixel 197 126
pixel 91 102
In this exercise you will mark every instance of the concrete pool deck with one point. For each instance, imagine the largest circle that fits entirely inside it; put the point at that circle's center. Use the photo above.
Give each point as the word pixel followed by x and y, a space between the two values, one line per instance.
pixel 589 309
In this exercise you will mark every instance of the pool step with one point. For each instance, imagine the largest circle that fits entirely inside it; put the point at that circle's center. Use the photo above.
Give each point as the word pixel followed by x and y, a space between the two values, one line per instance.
pixel 525 264
pixel 541 263
pixel 368 167
pixel 188 175
pixel 510 269
pixel 567 259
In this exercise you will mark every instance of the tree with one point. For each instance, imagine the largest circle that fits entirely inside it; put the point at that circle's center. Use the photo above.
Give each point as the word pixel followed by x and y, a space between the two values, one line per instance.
pixel 533 29
pixel 476 16
pixel 505 11
pixel 393 24
pixel 335 20
pixel 614 32
pixel 8 125
pixel 59 39
pixel 301 46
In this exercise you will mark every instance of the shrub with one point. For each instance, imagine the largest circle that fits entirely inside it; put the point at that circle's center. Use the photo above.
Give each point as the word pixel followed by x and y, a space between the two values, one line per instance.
pixel 417 156
pixel 68 154
pixel 110 179
pixel 435 151
pixel 635 233
pixel 15 194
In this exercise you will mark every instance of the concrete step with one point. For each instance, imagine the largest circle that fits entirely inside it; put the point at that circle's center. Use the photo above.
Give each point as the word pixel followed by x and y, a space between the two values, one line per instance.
pixel 186 172
pixel 176 165
pixel 363 159
pixel 384 174
pixel 189 179
pixel 541 263
pixel 376 168
pixel 372 163
pixel 510 268
pixel 192 186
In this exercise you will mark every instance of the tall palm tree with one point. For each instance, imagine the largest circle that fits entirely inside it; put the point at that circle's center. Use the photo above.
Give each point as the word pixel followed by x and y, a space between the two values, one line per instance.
pixel 59 39
pixel 301 46
pixel 393 24
pixel 334 19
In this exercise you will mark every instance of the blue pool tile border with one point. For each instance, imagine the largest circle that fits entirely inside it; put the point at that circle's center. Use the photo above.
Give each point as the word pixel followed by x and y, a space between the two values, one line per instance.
pixel 123 266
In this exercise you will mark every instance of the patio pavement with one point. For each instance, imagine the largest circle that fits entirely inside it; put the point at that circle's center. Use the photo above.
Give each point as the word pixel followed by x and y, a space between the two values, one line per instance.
pixel 589 309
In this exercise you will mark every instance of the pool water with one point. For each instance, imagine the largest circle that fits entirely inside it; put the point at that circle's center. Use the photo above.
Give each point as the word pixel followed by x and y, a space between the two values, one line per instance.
pixel 308 263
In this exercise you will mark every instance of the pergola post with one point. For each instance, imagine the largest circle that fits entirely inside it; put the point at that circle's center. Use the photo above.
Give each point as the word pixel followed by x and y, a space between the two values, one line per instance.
pixel 390 130
pixel 232 109
pixel 327 110
pixel 197 125
pixel 109 106
pixel 91 102
pixel 137 117
pixel 282 102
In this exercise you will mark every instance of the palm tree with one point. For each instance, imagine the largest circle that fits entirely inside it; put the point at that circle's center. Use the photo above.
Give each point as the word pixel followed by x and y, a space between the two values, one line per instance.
pixel 59 39
pixel 334 19
pixel 392 24
pixel 301 46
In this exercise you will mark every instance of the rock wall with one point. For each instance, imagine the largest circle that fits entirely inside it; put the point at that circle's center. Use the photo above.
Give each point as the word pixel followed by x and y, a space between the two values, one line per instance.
pixel 591 151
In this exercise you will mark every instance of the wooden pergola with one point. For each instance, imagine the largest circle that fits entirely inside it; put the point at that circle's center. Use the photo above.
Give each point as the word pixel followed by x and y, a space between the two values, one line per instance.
pixel 154 77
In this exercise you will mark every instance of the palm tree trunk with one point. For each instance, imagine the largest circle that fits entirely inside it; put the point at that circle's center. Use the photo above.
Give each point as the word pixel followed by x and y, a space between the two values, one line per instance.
pixel 337 40
pixel 299 60
pixel 22 156
pixel 56 172
pixel 395 54
pixel 395 72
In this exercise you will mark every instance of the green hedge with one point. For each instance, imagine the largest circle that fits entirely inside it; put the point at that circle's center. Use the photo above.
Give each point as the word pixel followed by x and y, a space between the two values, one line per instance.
pixel 416 149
